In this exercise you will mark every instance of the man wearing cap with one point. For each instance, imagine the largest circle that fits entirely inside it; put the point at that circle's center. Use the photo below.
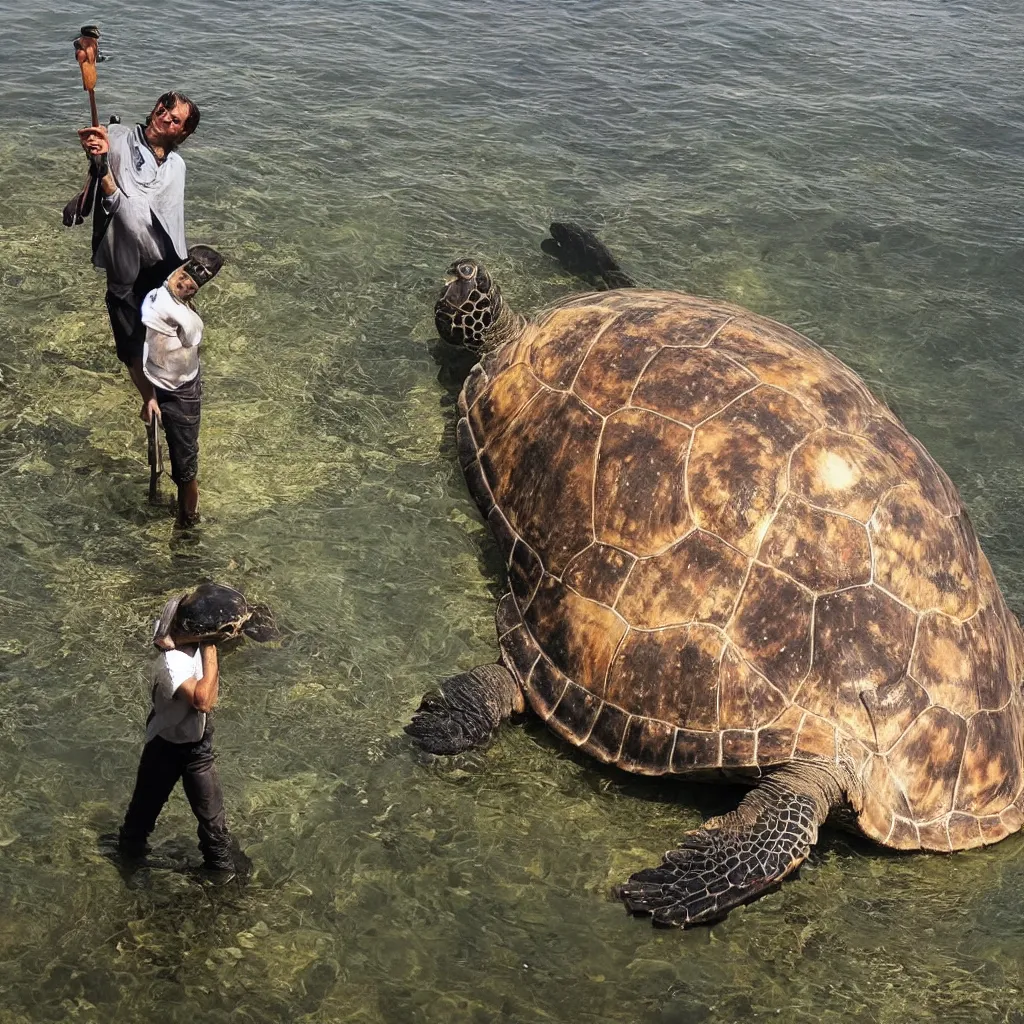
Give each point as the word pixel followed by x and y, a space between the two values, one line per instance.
pixel 139 225
pixel 171 369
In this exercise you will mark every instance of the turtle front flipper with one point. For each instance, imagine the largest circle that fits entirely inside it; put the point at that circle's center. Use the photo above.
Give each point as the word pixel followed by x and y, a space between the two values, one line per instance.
pixel 261 625
pixel 739 856
pixel 583 254
pixel 466 709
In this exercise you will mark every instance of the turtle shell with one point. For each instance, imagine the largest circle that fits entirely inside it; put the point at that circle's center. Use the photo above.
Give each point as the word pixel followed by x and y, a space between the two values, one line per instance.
pixel 215 611
pixel 212 610
pixel 725 554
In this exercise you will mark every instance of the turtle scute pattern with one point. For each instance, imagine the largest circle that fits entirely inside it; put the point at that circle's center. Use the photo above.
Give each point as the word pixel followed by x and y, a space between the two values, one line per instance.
pixel 724 553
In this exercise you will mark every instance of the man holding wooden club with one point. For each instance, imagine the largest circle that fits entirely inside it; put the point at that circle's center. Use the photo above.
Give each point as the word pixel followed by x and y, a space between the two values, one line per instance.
pixel 139 231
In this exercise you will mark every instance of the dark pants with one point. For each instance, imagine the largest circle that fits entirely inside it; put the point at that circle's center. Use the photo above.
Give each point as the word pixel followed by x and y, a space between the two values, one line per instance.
pixel 161 766
pixel 180 413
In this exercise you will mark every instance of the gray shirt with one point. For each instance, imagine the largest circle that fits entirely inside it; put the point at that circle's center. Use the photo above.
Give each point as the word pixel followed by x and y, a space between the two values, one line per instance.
pixel 173 718
pixel 146 209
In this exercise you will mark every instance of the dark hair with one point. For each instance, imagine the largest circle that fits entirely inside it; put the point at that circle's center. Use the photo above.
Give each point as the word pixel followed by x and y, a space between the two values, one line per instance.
pixel 169 100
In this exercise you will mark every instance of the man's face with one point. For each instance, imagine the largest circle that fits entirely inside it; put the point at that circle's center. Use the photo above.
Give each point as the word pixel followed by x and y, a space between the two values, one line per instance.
pixel 181 285
pixel 167 126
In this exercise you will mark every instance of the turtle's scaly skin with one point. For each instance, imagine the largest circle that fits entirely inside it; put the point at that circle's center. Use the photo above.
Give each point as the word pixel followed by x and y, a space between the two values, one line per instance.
pixel 723 553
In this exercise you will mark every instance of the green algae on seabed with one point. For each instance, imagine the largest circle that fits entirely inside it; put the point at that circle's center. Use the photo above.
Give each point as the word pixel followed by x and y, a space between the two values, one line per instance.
pixel 388 888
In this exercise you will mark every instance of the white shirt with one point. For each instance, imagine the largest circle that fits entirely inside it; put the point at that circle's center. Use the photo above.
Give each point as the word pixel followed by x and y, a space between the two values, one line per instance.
pixel 170 355
pixel 174 719
pixel 146 210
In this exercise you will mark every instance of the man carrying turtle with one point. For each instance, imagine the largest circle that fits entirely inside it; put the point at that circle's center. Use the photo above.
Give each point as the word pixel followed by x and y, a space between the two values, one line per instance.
pixel 139 226
pixel 185 682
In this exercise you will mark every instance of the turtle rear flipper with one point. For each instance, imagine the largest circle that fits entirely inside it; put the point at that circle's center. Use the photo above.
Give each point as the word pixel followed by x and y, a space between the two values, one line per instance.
pixel 261 625
pixel 739 856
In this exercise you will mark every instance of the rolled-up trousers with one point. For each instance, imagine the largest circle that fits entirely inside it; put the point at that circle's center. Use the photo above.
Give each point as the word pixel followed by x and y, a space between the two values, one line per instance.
pixel 161 766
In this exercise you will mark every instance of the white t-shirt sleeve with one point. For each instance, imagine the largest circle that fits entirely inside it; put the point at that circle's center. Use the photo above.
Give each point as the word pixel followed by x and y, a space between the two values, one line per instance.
pixel 147 314
pixel 172 669
pixel 190 327
pixel 162 312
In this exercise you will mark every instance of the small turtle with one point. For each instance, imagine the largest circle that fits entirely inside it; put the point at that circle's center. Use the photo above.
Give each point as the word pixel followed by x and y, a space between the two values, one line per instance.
pixel 215 611
pixel 727 559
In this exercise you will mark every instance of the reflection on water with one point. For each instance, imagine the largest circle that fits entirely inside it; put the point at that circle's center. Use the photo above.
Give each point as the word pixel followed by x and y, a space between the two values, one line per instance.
pixel 854 175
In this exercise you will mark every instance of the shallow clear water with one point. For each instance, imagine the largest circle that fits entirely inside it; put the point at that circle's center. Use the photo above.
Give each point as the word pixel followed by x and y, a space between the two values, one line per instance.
pixel 854 174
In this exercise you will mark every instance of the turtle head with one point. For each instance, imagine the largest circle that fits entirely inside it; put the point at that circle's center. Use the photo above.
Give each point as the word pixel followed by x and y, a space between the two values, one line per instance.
pixel 469 305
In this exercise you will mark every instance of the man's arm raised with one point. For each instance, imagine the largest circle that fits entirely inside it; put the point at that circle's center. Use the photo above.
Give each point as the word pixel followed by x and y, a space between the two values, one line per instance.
pixel 96 143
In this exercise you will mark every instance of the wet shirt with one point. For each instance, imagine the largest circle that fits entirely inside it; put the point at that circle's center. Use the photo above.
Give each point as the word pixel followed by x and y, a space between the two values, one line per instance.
pixel 173 718
pixel 170 356
pixel 146 214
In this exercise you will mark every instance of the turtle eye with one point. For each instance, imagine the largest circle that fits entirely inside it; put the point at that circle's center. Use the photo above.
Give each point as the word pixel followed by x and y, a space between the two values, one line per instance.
pixel 466 270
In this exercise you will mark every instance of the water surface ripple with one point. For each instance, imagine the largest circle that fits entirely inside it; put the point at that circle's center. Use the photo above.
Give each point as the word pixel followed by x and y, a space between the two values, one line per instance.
pixel 852 170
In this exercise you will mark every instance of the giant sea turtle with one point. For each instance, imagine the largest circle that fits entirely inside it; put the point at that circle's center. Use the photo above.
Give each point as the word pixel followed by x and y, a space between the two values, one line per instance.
pixel 726 558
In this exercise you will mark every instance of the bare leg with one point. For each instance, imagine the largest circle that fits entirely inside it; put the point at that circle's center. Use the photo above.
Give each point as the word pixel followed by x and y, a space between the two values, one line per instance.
pixel 188 503
pixel 741 855
pixel 465 711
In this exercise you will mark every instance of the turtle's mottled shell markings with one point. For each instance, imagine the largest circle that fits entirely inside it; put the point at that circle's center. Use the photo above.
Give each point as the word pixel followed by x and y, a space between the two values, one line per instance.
pixel 724 553
pixel 639 501
pixel 821 550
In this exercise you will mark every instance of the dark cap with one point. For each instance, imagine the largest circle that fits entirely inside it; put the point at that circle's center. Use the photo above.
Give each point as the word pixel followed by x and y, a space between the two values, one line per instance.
pixel 90 31
pixel 203 264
